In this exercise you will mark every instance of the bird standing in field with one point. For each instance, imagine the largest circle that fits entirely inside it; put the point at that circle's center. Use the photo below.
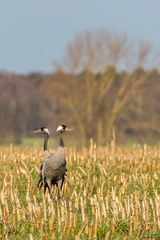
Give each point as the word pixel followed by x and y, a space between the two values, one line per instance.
pixel 54 166
pixel 45 132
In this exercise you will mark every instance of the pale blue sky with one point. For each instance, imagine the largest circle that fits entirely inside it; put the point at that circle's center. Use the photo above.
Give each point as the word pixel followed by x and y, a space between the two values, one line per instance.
pixel 34 33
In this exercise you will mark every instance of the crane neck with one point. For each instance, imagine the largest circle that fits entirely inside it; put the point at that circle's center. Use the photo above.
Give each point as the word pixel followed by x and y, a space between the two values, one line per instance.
pixel 61 142
pixel 46 137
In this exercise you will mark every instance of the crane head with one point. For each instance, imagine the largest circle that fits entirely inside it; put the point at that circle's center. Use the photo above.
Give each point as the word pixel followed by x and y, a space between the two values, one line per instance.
pixel 63 128
pixel 43 130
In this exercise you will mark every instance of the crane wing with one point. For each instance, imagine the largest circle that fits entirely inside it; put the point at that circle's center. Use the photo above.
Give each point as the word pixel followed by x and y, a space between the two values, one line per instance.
pixel 54 167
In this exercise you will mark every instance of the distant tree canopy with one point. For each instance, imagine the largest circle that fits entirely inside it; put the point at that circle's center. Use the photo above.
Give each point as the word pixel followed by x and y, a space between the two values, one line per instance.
pixel 107 101
pixel 102 85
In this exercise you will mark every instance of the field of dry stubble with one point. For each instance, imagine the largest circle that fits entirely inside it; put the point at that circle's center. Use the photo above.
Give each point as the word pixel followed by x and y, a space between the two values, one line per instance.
pixel 109 193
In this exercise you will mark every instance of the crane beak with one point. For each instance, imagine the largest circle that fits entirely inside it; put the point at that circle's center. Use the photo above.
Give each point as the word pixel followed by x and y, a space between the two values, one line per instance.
pixel 69 130
pixel 37 131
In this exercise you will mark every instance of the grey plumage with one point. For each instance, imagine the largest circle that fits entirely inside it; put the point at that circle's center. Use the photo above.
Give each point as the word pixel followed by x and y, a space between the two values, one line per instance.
pixel 53 169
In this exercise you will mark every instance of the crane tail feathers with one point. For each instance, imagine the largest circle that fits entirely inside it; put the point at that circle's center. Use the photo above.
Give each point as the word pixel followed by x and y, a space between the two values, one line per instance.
pixel 40 182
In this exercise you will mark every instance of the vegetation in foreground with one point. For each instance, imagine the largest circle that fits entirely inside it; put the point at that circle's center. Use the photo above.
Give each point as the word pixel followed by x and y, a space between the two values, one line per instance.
pixel 110 193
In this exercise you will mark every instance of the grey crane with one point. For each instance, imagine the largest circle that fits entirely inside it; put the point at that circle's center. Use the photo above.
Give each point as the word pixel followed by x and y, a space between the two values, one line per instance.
pixel 54 166
pixel 45 132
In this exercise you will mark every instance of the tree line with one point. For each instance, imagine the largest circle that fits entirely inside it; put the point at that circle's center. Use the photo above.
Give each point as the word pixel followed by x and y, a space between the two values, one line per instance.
pixel 97 88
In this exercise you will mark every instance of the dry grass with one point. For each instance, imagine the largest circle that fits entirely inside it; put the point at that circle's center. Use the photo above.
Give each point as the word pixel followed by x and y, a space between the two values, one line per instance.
pixel 110 193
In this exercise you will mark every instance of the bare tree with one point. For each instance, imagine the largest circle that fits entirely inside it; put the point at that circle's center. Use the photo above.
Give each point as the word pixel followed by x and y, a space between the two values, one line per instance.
pixel 95 56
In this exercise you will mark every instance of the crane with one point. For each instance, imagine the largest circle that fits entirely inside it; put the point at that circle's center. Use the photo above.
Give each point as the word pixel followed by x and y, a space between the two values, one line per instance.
pixel 54 166
pixel 45 132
